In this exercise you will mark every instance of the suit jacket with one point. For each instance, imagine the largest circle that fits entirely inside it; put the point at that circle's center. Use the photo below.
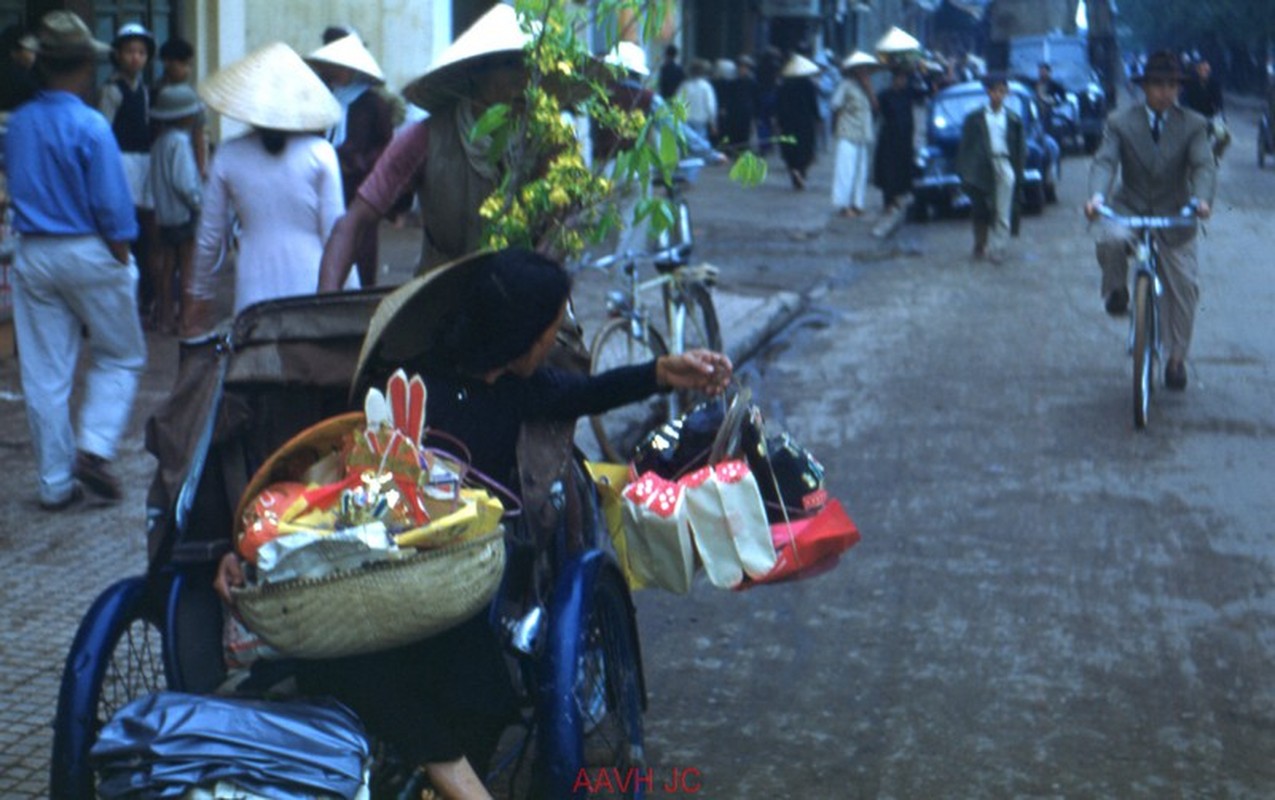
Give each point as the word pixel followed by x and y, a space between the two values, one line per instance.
pixel 1153 179
pixel 974 157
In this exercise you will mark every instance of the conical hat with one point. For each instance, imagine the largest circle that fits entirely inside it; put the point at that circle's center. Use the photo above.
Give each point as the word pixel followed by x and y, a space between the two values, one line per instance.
pixel 349 52
pixel 800 67
pixel 630 56
pixel 897 40
pixel 861 60
pixel 272 88
pixel 495 34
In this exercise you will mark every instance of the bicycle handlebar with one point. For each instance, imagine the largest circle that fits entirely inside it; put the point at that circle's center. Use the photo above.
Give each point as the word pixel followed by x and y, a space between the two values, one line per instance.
pixel 671 255
pixel 1185 218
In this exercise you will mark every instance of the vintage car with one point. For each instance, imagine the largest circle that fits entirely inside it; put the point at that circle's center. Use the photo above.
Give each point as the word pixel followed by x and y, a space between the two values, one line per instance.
pixel 1077 120
pixel 936 190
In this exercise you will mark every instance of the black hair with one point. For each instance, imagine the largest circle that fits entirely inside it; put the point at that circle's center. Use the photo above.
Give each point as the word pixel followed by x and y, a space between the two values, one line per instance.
pixel 46 67
pixel 176 49
pixel 273 140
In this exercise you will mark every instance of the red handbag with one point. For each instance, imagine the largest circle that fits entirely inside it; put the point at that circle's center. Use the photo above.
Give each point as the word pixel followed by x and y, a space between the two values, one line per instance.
pixel 809 546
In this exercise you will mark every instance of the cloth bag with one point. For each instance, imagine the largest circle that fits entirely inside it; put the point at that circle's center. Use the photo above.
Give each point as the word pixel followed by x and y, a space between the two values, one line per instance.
pixel 728 523
pixel 658 534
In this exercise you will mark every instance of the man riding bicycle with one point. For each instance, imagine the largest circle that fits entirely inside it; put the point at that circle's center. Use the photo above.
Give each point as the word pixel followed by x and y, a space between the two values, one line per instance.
pixel 1162 154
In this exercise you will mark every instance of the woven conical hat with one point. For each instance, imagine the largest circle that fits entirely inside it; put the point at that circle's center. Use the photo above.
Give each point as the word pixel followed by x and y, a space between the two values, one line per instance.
pixel 496 33
pixel 897 40
pixel 349 52
pixel 861 60
pixel 272 88
pixel 800 67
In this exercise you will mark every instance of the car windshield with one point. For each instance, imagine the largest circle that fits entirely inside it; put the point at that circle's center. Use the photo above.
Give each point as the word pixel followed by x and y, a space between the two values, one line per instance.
pixel 950 110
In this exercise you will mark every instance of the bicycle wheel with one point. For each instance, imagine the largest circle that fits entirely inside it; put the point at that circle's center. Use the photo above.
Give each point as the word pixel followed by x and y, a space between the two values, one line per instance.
pixel 599 721
pixel 619 430
pixel 117 657
pixel 1143 348
pixel 700 330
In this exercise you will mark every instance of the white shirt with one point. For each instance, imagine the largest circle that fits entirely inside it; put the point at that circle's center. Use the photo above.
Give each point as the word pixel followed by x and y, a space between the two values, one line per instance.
pixel 997 124
pixel 700 99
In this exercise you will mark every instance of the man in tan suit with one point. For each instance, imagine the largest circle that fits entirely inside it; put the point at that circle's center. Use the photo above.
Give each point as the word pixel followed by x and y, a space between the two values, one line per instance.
pixel 1162 156
pixel 990 161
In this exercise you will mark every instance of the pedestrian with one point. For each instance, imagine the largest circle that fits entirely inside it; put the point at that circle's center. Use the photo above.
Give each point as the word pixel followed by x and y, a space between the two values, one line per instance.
pixel 280 180
pixel 451 174
pixel 178 191
pixel 671 74
pixel 73 272
pixel 739 107
pixel 696 92
pixel 769 66
pixel 125 102
pixel 852 103
pixel 365 128
pixel 1160 154
pixel 17 79
pixel 990 161
pixel 894 159
pixel 177 57
pixel 797 115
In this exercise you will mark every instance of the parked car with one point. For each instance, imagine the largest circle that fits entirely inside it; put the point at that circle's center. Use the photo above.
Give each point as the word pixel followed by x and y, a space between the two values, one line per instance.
pixel 1078 121
pixel 937 188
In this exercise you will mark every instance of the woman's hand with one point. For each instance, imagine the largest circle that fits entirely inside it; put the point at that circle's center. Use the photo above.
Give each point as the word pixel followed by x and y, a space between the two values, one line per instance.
pixel 229 575
pixel 701 370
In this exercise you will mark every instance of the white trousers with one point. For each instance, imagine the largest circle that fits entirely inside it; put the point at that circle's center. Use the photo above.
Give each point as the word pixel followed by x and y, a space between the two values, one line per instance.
pixel 998 229
pixel 850 175
pixel 61 286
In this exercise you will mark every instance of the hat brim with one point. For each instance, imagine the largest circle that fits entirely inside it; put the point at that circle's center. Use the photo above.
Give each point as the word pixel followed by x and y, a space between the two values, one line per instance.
pixel 447 84
pixel 90 49
pixel 407 324
pixel 167 115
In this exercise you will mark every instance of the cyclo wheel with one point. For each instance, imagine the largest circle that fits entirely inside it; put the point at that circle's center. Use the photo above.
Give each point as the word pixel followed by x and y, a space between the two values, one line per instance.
pixel 619 430
pixel 117 656
pixel 1143 349
pixel 601 698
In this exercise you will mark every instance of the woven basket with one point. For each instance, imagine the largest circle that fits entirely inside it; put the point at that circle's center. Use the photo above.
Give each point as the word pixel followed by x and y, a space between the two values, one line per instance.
pixel 376 607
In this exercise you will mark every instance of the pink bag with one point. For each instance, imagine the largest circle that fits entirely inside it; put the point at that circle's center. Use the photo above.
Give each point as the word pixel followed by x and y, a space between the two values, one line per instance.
pixel 658 535
pixel 728 523
pixel 810 546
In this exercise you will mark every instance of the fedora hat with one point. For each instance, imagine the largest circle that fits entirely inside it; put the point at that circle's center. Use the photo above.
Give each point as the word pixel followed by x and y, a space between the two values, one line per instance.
pixel 861 60
pixel 494 35
pixel 630 56
pixel 799 67
pixel 1161 66
pixel 175 101
pixel 897 41
pixel 272 88
pixel 350 53
pixel 62 34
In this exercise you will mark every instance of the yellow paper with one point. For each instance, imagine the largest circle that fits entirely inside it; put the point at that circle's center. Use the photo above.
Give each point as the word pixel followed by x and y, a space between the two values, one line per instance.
pixel 479 513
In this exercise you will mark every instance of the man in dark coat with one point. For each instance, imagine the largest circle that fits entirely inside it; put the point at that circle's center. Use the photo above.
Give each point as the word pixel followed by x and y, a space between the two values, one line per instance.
pixel 990 162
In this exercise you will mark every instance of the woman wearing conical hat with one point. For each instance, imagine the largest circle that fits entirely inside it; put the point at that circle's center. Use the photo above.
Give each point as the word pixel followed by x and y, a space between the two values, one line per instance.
pixel 854 105
pixel 281 179
pixel 365 128
pixel 797 113
pixel 450 174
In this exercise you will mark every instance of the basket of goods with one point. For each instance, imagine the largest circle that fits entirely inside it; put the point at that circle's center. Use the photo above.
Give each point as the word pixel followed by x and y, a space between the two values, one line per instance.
pixel 358 538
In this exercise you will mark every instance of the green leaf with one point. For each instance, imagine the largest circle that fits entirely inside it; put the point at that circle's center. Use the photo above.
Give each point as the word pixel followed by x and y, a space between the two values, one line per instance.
pixel 748 170
pixel 492 119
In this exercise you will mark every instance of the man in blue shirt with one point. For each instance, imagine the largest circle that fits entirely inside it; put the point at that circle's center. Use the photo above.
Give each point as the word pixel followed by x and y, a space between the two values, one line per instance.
pixel 73 271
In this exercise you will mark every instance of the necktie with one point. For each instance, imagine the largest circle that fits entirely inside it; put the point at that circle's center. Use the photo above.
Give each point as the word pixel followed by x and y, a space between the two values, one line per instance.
pixel 1155 127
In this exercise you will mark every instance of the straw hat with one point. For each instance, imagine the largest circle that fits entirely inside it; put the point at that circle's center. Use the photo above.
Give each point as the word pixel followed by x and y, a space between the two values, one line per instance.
pixel 630 56
pixel 799 67
pixel 175 102
pixel 272 88
pixel 409 321
pixel 861 60
pixel 349 52
pixel 897 40
pixel 495 34
pixel 62 34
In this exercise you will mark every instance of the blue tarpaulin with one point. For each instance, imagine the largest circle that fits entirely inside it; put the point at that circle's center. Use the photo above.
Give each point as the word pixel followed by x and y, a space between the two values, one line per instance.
pixel 166 743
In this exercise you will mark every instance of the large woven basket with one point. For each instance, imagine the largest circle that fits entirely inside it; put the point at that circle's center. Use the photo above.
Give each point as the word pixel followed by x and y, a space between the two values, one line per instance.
pixel 376 607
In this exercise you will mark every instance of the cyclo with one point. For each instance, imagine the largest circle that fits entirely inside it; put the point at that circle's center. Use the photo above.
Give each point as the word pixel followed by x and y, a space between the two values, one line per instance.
pixel 280 367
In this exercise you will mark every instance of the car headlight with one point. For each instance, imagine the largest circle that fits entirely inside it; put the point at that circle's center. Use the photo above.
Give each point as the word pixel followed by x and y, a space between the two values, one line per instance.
pixel 941 122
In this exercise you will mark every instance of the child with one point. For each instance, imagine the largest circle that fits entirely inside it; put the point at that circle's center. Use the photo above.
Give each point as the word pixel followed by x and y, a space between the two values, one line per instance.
pixel 176 55
pixel 124 101
pixel 175 187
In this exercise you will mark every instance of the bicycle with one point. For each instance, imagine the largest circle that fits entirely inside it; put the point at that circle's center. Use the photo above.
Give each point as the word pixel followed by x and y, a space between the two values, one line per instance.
pixel 1144 321
pixel 628 337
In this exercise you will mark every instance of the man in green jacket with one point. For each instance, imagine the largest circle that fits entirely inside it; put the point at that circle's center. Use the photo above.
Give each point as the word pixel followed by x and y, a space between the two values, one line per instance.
pixel 990 162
